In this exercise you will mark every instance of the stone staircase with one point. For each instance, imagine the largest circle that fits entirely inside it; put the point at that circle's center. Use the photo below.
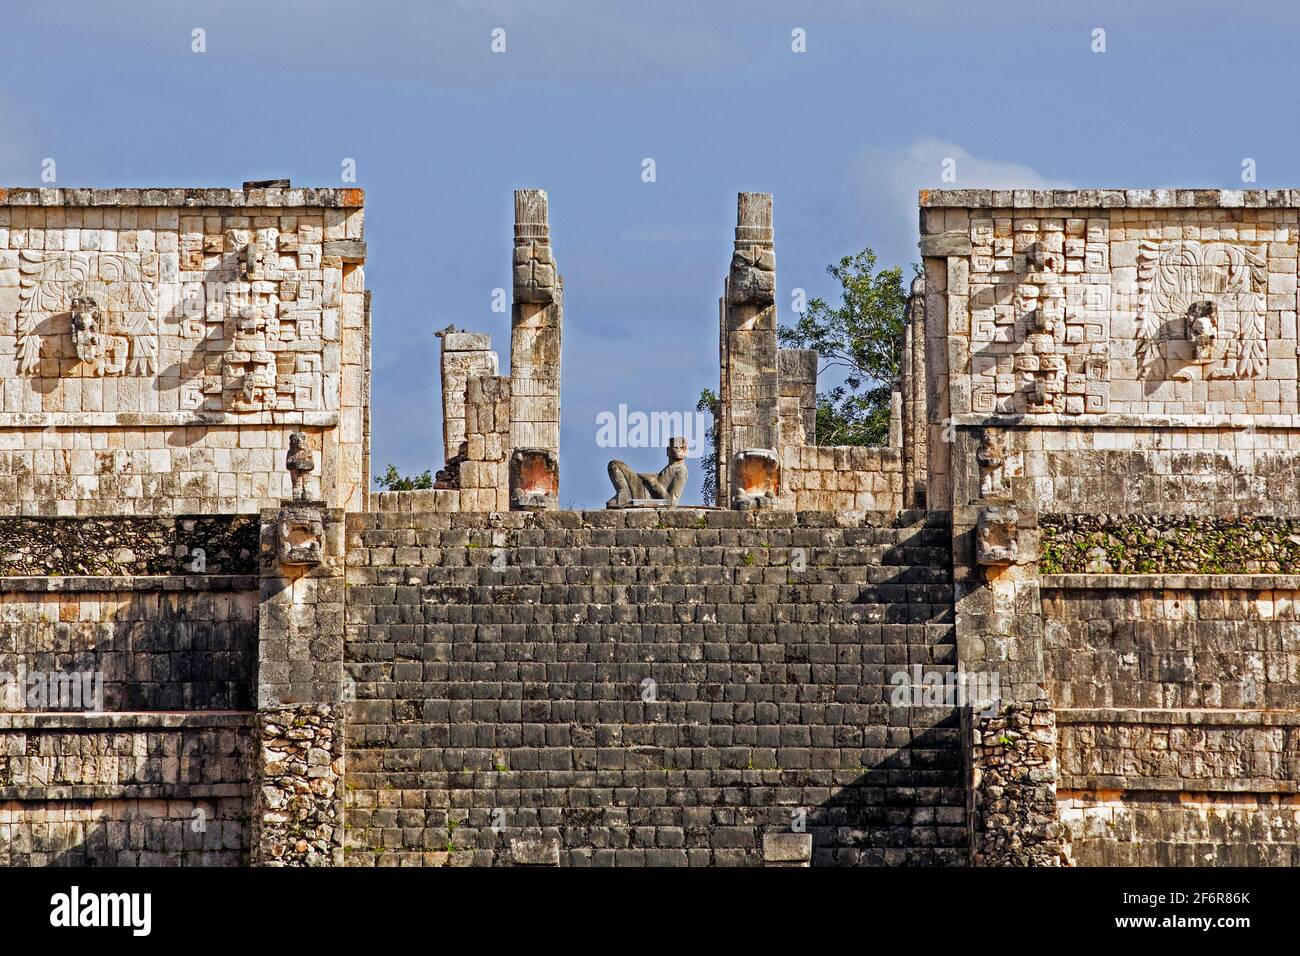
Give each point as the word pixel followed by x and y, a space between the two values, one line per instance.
pixel 648 688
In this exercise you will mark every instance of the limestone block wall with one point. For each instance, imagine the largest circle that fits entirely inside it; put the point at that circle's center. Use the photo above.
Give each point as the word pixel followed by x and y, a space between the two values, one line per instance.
pixel 1175 696
pixel 158 345
pixel 635 687
pixel 128 662
pixel 124 789
pixel 1183 787
pixel 1205 642
pixel 844 478
pixel 181 644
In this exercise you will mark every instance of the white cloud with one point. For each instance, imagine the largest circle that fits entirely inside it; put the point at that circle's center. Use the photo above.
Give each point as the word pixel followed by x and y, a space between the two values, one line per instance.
pixel 888 181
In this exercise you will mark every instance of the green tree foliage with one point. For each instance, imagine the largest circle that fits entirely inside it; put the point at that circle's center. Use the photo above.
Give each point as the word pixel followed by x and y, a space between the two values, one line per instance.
pixel 863 337
pixel 709 462
pixel 391 480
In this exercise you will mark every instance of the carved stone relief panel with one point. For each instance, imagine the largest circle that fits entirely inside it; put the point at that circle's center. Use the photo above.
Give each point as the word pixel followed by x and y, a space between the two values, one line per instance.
pixel 1040 315
pixel 213 309
pixel 1201 310
pixel 94 313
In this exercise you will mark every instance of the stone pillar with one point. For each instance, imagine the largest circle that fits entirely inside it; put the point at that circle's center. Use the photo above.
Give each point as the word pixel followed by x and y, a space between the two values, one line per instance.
pixel 464 355
pixel 749 380
pixel 797 373
pixel 1011 741
pixel 484 474
pixel 912 384
pixel 535 330
pixel 298 761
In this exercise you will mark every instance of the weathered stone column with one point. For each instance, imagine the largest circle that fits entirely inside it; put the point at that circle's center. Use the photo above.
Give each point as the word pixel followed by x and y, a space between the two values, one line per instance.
pixel 797 373
pixel 535 332
pixel 298 760
pixel 1011 747
pixel 749 379
pixel 484 474
pixel 464 355
pixel 912 383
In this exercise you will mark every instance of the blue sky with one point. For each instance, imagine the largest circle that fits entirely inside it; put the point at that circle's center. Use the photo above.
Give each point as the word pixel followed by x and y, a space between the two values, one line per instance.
pixel 442 130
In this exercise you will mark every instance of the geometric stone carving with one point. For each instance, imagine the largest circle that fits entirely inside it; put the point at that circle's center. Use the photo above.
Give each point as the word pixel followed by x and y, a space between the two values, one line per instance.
pixel 300 533
pixel 997 537
pixel 646 489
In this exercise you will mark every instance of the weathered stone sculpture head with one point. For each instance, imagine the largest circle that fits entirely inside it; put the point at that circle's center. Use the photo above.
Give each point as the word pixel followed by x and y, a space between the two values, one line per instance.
pixel 86 330
pixel 753 264
pixel 997 537
pixel 1202 328
pixel 300 536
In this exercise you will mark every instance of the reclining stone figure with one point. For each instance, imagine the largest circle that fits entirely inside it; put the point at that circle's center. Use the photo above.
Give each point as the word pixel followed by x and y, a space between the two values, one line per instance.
pixel 633 488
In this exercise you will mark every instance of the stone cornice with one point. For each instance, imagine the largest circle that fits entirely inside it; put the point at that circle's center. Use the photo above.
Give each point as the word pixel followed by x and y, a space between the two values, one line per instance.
pixel 1109 198
pixel 272 197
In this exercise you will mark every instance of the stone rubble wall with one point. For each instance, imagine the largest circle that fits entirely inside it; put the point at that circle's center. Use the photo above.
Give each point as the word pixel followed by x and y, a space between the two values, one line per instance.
pixel 1169 544
pixel 298 805
pixel 1013 773
pixel 128 545
pixel 647 688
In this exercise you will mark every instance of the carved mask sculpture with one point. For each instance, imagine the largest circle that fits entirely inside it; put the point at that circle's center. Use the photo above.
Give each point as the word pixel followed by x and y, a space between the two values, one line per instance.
pixel 1202 328
pixel 86 333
